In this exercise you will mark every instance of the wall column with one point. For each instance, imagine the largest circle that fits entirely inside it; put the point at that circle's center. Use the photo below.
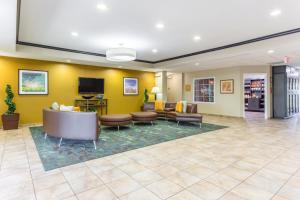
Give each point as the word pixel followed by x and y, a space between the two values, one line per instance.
pixel 161 82
pixel 164 90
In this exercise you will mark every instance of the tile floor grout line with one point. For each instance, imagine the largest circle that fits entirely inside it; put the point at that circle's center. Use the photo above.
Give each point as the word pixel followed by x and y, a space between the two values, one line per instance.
pixel 2 156
pixel 256 173
pixel 105 184
pixel 285 183
pixel 142 186
pixel 74 193
pixel 27 156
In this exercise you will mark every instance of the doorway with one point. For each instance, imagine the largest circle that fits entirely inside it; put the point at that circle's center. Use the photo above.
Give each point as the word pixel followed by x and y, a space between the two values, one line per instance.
pixel 255 93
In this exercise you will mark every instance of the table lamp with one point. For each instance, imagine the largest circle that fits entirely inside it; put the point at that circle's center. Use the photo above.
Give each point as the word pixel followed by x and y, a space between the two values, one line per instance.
pixel 154 91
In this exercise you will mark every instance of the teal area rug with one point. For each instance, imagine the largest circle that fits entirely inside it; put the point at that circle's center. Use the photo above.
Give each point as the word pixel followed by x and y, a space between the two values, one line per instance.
pixel 111 141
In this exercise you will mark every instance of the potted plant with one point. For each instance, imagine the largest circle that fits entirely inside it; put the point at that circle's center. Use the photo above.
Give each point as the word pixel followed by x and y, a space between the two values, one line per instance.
pixel 10 119
pixel 146 96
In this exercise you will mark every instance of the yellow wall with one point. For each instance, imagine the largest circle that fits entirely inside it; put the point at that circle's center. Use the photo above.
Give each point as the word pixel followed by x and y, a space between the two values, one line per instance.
pixel 63 86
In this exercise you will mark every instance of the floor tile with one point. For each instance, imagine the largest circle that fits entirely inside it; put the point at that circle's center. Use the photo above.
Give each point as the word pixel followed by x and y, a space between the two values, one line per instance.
pixel 164 188
pixel 61 191
pixel 251 192
pixel 184 195
pixel 141 194
pixel 166 170
pixel 200 172
pixel 290 192
pixel 206 190
pixel 184 179
pixel 146 177
pixel 123 186
pixel 231 196
pixel 48 181
pixel 99 193
pixel 265 183
pixel 132 168
pixel 111 175
pixel 223 181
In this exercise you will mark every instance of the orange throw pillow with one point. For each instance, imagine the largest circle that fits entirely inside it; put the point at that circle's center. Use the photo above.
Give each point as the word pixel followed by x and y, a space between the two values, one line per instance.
pixel 159 105
pixel 179 107
pixel 76 109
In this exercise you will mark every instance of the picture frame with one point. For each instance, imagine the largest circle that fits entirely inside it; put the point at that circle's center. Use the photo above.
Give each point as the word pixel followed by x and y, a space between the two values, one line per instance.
pixel 33 82
pixel 227 86
pixel 187 87
pixel 130 86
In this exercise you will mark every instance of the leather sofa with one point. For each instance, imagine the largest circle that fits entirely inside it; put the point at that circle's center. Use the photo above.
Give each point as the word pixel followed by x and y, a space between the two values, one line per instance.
pixel 191 114
pixel 71 125
pixel 149 107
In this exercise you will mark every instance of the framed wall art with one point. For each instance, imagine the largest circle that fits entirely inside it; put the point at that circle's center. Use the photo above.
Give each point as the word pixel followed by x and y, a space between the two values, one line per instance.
pixel 130 86
pixel 227 86
pixel 32 82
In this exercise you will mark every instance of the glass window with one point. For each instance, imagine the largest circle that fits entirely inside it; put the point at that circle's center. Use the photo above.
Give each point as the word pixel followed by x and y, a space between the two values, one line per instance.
pixel 204 90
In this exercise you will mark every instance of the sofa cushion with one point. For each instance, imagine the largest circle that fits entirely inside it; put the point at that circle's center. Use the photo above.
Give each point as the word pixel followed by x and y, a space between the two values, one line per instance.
pixel 184 106
pixel 148 106
pixel 55 106
pixel 159 105
pixel 191 108
pixel 170 105
pixel 179 107
pixel 66 108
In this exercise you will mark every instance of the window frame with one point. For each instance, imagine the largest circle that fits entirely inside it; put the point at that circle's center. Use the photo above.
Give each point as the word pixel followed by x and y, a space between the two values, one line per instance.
pixel 193 90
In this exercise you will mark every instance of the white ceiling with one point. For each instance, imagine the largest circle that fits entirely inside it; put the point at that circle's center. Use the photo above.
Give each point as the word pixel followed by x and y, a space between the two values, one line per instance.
pixel 254 54
pixel 8 25
pixel 132 22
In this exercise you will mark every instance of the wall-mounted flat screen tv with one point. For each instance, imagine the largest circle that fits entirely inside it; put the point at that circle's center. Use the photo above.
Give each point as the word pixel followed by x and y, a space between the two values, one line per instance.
pixel 91 86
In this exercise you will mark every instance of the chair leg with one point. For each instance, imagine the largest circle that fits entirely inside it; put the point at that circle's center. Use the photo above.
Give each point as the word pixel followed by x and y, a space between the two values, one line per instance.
pixel 45 137
pixel 118 128
pixel 132 123
pixel 152 123
pixel 200 125
pixel 59 142
pixel 177 123
pixel 95 146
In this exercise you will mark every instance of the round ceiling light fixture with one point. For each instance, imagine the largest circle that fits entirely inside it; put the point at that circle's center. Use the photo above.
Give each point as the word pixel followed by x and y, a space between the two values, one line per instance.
pixel 121 54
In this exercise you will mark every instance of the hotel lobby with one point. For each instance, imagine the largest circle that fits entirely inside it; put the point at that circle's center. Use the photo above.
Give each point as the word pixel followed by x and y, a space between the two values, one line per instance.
pixel 149 100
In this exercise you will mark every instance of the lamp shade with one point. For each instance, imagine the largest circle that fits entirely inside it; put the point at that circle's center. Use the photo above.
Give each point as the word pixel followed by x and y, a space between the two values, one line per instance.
pixel 155 90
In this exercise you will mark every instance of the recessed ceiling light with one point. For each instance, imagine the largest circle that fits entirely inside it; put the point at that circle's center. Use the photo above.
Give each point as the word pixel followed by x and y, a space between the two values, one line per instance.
pixel 275 12
pixel 154 50
pixel 197 64
pixel 75 34
pixel 271 51
pixel 160 25
pixel 197 38
pixel 102 6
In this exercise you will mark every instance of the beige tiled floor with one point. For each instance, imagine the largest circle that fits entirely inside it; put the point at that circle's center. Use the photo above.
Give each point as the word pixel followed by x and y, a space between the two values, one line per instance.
pixel 253 159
